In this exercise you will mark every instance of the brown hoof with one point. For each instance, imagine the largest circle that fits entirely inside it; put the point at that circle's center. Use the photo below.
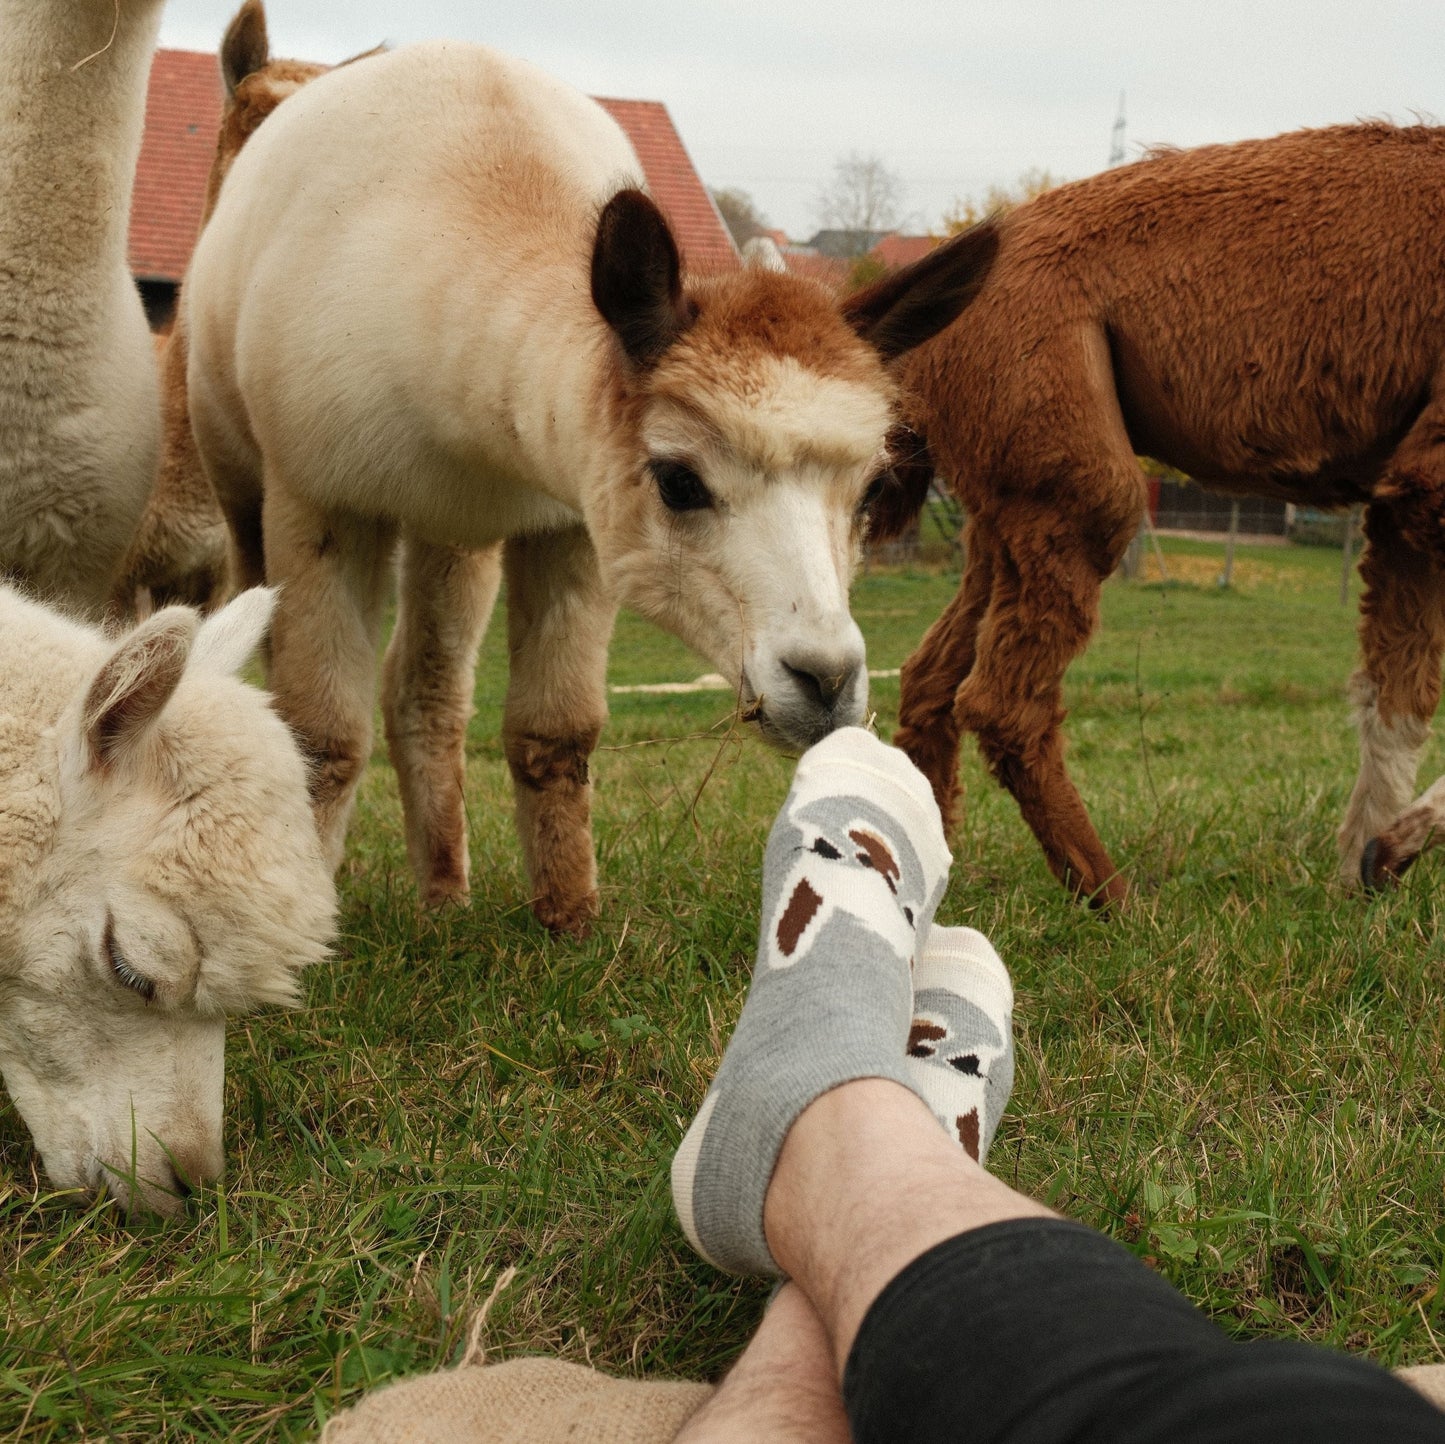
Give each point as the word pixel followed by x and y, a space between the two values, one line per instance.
pixel 439 894
pixel 573 918
pixel 1380 868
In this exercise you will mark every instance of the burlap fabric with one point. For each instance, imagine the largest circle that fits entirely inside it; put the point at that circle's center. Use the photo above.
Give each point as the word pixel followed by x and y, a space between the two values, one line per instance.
pixel 523 1401
pixel 547 1401
pixel 1426 1379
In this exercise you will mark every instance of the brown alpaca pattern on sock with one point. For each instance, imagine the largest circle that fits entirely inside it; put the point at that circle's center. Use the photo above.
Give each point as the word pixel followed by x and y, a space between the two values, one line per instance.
pixel 797 915
pixel 967 1125
pixel 876 855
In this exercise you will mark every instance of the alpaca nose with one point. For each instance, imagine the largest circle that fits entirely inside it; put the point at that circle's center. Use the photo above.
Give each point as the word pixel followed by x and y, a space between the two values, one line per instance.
pixel 823 678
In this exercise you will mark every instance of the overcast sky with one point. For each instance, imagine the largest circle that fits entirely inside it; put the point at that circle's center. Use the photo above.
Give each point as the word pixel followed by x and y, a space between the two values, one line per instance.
pixel 769 94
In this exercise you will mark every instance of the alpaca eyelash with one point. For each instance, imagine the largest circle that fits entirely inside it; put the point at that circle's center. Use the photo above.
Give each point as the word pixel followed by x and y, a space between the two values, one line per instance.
pixel 125 974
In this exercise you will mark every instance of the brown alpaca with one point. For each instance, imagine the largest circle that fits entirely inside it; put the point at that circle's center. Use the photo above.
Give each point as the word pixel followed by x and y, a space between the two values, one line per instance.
pixel 179 550
pixel 1270 318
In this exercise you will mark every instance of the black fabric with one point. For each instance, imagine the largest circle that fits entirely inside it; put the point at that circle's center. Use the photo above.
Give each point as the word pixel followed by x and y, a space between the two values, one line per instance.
pixel 1038 1331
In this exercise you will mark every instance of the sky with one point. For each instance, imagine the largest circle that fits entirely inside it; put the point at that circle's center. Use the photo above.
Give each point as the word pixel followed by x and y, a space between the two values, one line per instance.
pixel 769 95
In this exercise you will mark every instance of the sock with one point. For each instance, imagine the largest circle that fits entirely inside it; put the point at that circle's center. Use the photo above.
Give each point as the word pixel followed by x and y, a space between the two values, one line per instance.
pixel 960 1047
pixel 854 868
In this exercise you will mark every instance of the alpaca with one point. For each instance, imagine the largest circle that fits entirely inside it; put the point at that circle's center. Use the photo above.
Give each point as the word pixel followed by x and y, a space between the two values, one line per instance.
pixel 179 552
pixel 159 869
pixel 1269 318
pixel 472 332
pixel 79 410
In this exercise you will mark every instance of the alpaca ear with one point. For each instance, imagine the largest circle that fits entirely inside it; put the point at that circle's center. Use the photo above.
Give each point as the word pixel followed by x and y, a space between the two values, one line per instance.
pixel 905 309
pixel 637 277
pixel 228 640
pixel 135 683
pixel 246 47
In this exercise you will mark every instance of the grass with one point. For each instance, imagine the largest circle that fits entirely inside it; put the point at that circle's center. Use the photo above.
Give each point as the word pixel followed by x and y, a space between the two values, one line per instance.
pixel 1240 1078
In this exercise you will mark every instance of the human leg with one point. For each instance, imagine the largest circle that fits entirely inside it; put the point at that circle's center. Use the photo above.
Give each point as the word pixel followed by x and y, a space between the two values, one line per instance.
pixel 951 1302
pixel 783 1387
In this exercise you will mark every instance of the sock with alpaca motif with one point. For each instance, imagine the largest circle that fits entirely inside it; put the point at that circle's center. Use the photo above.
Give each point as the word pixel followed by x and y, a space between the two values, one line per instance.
pixel 960 1047
pixel 854 868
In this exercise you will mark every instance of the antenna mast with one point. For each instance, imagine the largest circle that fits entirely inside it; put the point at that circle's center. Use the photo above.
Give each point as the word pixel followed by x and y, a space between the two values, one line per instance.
pixel 1116 139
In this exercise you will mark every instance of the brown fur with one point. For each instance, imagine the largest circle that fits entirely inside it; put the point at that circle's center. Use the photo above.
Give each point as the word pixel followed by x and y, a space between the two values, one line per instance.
pixel 1268 317
pixel 179 552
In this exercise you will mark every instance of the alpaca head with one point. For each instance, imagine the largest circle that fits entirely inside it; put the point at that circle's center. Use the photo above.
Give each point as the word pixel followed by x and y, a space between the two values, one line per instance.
pixel 757 411
pixel 184 882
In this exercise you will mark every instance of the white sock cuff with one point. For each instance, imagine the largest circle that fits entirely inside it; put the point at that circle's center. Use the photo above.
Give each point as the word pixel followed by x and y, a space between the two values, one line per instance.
pixel 963 961
pixel 835 766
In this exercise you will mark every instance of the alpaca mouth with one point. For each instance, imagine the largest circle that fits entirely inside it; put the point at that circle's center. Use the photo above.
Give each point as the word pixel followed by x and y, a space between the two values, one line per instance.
pixel 786 728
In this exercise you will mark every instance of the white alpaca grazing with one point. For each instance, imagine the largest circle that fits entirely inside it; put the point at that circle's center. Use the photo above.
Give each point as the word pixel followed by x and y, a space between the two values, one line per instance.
pixel 159 869
pixel 79 407
pixel 432 304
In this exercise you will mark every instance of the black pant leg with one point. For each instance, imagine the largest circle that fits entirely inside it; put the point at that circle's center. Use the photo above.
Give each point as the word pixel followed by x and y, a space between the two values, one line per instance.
pixel 1039 1331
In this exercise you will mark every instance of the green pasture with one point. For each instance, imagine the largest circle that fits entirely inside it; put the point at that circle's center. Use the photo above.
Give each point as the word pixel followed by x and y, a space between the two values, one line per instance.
pixel 1240 1077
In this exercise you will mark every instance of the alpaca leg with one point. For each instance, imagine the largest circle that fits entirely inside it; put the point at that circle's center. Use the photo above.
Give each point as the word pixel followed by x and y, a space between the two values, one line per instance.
pixel 445 599
pixel 559 621
pixel 1395 692
pixel 333 573
pixel 1043 610
pixel 928 730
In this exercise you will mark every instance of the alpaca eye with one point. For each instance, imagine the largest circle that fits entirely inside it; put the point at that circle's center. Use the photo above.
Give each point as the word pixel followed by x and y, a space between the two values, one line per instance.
pixel 875 490
pixel 679 486
pixel 124 973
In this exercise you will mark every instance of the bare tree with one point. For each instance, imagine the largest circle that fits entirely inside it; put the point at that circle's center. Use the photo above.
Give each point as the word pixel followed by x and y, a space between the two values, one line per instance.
pixel 865 198
pixel 740 214
pixel 967 211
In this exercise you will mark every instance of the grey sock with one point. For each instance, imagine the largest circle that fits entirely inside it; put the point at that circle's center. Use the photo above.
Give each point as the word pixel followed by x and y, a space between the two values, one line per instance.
pixel 960 1047
pixel 855 866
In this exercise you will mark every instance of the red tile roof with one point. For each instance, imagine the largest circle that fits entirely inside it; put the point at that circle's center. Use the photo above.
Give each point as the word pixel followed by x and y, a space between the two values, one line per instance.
pixel 183 112
pixel 675 185
pixel 895 250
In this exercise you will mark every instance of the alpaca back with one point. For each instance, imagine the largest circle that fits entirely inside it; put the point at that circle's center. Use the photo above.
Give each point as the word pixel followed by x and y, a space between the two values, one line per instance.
pixel 1269 311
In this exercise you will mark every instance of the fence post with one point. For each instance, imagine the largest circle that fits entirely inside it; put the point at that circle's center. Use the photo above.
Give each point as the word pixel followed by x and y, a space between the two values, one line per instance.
pixel 1227 575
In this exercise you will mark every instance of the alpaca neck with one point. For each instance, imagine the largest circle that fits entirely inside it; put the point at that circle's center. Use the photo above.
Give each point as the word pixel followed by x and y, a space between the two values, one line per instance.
pixel 71 132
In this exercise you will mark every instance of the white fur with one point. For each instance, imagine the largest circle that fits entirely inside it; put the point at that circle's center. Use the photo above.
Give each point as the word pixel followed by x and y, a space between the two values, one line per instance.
pixel 1389 760
pixel 79 403
pixel 393 334
pixel 152 798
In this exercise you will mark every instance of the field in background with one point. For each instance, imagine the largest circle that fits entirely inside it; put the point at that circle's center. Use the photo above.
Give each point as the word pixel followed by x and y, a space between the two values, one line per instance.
pixel 1240 1078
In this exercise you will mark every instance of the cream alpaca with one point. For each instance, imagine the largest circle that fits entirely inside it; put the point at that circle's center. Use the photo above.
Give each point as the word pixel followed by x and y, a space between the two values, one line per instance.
pixel 179 551
pixel 470 330
pixel 159 869
pixel 79 410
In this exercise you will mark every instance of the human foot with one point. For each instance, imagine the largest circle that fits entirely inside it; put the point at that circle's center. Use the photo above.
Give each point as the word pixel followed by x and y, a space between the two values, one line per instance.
pixel 960 1047
pixel 855 866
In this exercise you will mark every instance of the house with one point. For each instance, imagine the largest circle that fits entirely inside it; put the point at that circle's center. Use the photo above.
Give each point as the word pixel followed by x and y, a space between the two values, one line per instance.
pixel 183 113
pixel 841 260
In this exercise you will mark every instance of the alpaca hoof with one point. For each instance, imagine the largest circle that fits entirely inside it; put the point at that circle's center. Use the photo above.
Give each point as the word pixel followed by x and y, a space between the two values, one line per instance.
pixel 571 917
pixel 438 894
pixel 1380 869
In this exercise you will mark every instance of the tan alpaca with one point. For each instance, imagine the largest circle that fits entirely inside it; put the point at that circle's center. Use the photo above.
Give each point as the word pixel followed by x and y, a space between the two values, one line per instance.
pixel 433 305
pixel 79 416
pixel 159 870
pixel 1270 318
pixel 179 552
